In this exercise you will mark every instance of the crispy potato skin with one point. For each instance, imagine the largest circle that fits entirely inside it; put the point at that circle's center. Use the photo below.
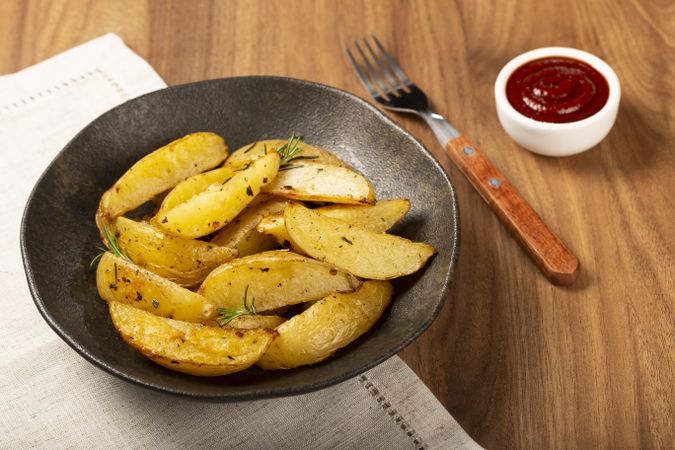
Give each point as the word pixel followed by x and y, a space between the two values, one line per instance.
pixel 275 279
pixel 364 253
pixel 220 203
pixel 122 281
pixel 162 170
pixel 378 218
pixel 183 261
pixel 257 149
pixel 317 182
pixel 242 235
pixel 187 347
pixel 327 326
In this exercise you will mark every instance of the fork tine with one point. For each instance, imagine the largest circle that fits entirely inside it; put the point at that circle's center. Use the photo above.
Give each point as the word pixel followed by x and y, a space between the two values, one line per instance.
pixel 397 70
pixel 386 72
pixel 362 76
pixel 373 73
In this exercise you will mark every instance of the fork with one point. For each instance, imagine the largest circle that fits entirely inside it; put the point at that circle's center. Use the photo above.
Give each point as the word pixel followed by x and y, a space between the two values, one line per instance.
pixel 393 90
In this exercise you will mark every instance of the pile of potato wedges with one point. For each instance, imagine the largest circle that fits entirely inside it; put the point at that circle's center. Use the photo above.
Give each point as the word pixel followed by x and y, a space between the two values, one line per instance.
pixel 276 255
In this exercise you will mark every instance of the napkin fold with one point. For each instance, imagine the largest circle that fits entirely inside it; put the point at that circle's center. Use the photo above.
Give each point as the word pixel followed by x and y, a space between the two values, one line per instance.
pixel 51 397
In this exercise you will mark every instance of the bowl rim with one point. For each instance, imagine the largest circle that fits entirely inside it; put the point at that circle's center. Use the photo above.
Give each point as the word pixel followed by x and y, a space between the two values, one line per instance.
pixel 261 393
pixel 505 107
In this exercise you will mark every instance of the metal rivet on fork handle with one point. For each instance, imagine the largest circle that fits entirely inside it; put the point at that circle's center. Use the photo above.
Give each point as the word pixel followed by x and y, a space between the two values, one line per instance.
pixel 468 151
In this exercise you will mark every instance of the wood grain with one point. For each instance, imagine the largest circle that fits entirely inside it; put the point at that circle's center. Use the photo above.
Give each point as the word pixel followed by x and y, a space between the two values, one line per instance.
pixel 553 258
pixel 518 362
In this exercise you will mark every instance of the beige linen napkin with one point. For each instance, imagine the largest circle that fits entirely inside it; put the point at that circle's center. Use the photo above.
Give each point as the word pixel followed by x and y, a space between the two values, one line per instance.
pixel 52 398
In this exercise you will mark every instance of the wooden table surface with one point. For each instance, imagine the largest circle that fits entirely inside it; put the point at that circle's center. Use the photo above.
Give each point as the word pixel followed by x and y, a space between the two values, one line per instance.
pixel 517 361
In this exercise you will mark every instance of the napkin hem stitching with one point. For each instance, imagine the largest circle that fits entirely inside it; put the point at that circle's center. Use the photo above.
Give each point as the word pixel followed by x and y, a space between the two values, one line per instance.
pixel 57 87
pixel 396 416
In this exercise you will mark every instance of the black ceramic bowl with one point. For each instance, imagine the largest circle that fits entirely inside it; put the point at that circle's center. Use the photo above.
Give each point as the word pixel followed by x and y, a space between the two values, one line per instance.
pixel 59 237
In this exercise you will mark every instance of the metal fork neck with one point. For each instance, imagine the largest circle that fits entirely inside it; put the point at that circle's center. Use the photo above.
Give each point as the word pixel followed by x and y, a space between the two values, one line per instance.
pixel 442 129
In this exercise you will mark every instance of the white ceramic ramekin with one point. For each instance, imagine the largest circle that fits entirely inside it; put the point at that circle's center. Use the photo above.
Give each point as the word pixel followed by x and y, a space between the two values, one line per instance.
pixel 557 139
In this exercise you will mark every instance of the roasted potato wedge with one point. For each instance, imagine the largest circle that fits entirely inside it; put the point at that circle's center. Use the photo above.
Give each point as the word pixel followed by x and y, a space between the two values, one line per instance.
pixel 316 182
pixel 215 207
pixel 327 326
pixel 275 279
pixel 379 217
pixel 194 185
pixel 364 253
pixel 242 234
pixel 162 170
pixel 122 281
pixel 257 149
pixel 256 321
pixel 183 261
pixel 187 347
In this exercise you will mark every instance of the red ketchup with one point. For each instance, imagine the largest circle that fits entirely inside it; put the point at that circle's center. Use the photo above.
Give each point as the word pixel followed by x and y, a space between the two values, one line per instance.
pixel 557 89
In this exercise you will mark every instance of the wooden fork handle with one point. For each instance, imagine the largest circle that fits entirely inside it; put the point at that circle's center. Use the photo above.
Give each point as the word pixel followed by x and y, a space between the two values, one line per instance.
pixel 548 252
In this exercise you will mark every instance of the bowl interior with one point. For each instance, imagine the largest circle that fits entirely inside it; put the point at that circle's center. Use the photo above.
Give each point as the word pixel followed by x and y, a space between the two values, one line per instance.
pixel 59 237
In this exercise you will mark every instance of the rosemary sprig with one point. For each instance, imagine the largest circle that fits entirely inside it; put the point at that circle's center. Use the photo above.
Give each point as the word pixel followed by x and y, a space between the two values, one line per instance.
pixel 110 245
pixel 290 148
pixel 226 315
pixel 289 152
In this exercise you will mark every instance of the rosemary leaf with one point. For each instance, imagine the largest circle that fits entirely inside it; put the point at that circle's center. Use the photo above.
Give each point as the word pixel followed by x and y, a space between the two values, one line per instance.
pixel 226 315
pixel 94 261
pixel 250 147
pixel 289 166
pixel 111 246
pixel 297 158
